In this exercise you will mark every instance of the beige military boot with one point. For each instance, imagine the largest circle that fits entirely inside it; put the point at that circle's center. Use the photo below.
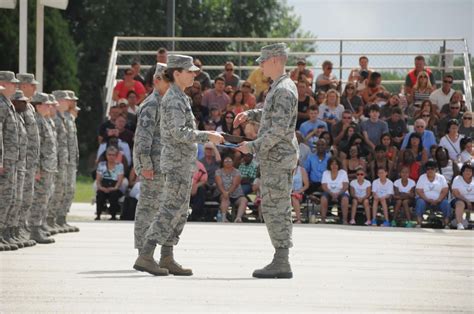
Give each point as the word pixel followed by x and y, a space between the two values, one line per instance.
pixel 39 237
pixel 167 261
pixel 145 261
pixel 278 268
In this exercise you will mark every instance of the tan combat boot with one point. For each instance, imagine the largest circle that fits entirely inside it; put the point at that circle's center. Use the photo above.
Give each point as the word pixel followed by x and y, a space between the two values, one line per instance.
pixel 278 268
pixel 145 261
pixel 167 261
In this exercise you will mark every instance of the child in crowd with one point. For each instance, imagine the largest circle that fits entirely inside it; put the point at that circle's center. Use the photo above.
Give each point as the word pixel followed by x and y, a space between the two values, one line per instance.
pixel 404 195
pixel 360 189
pixel 382 192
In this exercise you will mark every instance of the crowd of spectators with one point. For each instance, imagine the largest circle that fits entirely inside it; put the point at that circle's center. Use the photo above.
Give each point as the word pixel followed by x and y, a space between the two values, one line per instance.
pixel 361 146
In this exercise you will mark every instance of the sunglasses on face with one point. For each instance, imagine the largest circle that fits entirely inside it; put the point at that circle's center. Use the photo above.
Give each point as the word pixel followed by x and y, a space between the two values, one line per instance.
pixel 228 70
pixel 350 87
pixel 420 126
pixel 448 82
pixel 329 68
pixel 423 76
pixel 360 174
pixel 467 118
pixel 426 116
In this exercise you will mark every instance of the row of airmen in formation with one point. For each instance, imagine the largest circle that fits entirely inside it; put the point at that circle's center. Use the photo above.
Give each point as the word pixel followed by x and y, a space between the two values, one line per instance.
pixel 39 155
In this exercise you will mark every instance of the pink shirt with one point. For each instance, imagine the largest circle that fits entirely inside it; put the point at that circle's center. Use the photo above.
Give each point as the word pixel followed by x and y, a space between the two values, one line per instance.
pixel 123 90
pixel 201 174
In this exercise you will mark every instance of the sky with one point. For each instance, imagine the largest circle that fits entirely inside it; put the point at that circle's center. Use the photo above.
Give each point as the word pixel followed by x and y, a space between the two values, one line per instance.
pixel 387 18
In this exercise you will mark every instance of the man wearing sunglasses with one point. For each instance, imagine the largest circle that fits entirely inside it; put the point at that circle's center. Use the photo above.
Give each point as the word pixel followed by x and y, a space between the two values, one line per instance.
pixel 326 80
pixel 410 79
pixel 427 137
pixel 229 76
pixel 454 113
pixel 442 95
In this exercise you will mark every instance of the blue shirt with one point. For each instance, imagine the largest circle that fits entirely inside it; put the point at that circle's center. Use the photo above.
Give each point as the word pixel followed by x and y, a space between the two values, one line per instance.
pixel 309 126
pixel 427 138
pixel 315 167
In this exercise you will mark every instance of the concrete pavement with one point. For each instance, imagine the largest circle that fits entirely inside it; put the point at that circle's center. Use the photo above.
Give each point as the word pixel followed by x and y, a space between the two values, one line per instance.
pixel 336 269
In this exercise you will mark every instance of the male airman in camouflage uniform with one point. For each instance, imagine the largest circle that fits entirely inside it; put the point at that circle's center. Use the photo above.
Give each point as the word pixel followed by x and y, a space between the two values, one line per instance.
pixel 146 156
pixel 178 160
pixel 20 102
pixel 277 149
pixel 48 166
pixel 71 166
pixel 9 151
pixel 28 86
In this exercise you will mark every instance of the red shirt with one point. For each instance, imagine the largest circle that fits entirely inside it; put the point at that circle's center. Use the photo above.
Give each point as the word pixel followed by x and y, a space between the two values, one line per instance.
pixel 123 90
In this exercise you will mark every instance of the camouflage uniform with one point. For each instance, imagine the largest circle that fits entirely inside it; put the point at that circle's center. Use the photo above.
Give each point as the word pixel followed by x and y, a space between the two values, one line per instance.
pixel 32 160
pixel 277 150
pixel 178 160
pixel 14 215
pixel 146 156
pixel 71 166
pixel 59 193
pixel 48 166
pixel 9 151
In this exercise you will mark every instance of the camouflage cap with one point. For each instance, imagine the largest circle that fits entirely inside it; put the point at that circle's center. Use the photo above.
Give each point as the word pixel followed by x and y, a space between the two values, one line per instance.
pixel 160 69
pixel 61 94
pixel 182 62
pixel 71 95
pixel 40 98
pixel 52 100
pixel 19 96
pixel 273 50
pixel 27 78
pixel 8 76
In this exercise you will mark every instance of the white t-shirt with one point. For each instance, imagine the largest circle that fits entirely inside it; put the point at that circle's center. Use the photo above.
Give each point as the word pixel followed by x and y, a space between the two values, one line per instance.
pixel 454 148
pixel 439 98
pixel 433 189
pixel 360 190
pixel 335 186
pixel 382 190
pixel 466 189
pixel 404 189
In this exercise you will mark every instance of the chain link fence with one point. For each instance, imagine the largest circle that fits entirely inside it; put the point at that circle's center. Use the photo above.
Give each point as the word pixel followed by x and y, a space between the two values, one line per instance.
pixel 392 57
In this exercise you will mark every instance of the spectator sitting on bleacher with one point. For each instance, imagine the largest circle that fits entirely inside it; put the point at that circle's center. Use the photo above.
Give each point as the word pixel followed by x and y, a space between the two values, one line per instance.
pixel 161 57
pixel 373 128
pixel 432 191
pixel 237 105
pixel 380 160
pixel 227 124
pixel 387 109
pixel 136 72
pixel 259 82
pixel 315 166
pixel 455 100
pixel 305 100
pixel 327 80
pixel 404 195
pixel 352 102
pixel 428 113
pixel 375 93
pixel 412 76
pixel 202 76
pixel 320 98
pixel 124 150
pixel 415 144
pixel 354 162
pixel 301 72
pixel 248 173
pixel 397 127
pixel 215 115
pixel 466 128
pixel 454 112
pixel 355 74
pixel 452 140
pixel 331 111
pixel 344 144
pixel 132 107
pixel 339 129
pixel 228 183
pixel 407 159
pixel 249 98
pixel 305 150
pixel 382 192
pixel 427 137
pixel 335 185
pixel 230 78
pixel 104 128
pixel 211 162
pixel 123 87
pixel 446 167
pixel 467 151
pixel 109 176
pixel 390 148
pixel 463 191
pixel 421 90
pixel 198 192
pixel 216 97
pixel 361 190
pixel 300 185
pixel 313 123
pixel 314 136
pixel 124 134
pixel 441 96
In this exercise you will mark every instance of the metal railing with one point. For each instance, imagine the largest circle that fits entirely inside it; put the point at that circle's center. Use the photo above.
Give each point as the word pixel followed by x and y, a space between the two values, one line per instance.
pixel 393 55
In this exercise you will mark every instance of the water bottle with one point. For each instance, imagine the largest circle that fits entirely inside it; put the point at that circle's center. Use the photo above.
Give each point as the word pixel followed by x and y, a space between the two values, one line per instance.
pixel 219 216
